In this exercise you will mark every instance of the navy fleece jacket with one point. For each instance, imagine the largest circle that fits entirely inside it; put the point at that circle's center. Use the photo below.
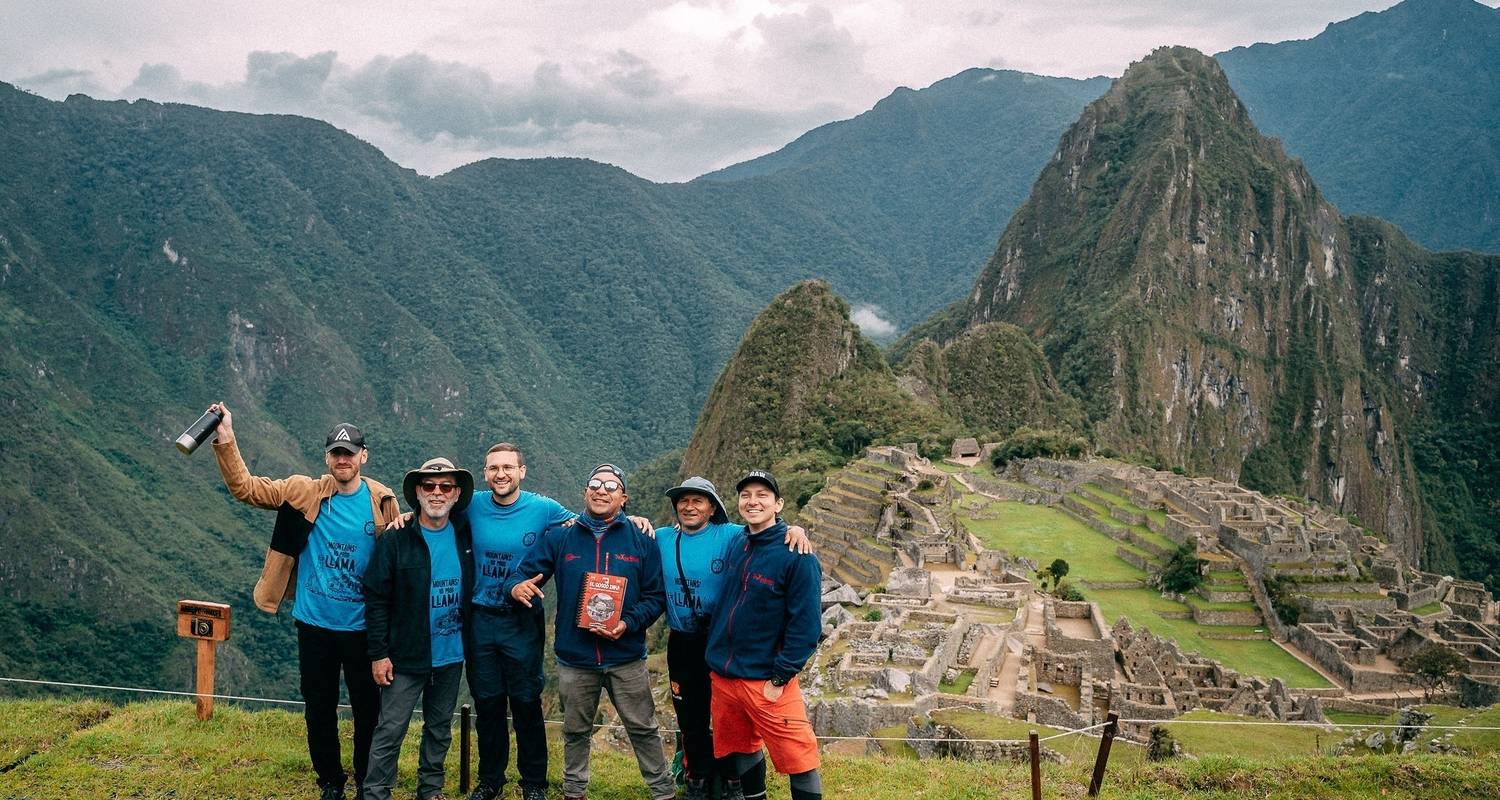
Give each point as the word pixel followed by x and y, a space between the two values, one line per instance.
pixel 768 619
pixel 566 554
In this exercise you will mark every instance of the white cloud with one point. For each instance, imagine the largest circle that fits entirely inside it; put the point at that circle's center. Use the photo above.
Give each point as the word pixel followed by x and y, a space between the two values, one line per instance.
pixel 665 88
pixel 872 322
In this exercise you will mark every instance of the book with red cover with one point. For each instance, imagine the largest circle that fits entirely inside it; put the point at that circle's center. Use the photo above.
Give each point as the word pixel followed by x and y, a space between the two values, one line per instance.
pixel 602 600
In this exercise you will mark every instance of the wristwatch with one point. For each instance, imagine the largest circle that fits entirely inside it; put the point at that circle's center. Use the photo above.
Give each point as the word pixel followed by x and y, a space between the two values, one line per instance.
pixel 779 682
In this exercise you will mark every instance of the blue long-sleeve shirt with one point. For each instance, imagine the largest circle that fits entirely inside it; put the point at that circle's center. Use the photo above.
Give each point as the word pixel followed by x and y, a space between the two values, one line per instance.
pixel 566 554
pixel 768 618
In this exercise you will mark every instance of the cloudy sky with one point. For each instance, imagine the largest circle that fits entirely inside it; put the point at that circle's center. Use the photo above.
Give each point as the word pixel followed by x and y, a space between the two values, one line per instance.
pixel 667 89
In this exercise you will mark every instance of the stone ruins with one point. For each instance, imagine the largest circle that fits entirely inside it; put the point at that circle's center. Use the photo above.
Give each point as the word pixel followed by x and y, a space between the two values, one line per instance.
pixel 920 618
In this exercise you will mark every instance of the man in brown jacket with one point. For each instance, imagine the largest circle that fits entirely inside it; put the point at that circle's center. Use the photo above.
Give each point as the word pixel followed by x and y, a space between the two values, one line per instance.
pixel 324 537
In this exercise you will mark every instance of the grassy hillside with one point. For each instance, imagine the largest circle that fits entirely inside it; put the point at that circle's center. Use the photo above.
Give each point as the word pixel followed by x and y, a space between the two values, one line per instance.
pixel 66 749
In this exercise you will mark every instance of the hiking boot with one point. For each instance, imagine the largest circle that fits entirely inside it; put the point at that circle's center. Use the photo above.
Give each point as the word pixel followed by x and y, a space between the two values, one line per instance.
pixel 533 793
pixel 332 791
pixel 696 790
pixel 732 790
pixel 484 791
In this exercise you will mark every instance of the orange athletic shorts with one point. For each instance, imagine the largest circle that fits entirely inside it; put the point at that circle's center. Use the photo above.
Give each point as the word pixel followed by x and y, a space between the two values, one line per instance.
pixel 744 721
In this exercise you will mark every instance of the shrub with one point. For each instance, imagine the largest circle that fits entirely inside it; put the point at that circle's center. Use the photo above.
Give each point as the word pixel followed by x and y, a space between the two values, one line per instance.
pixel 874 615
pixel 1183 572
pixel 1162 746
pixel 1282 602
pixel 1031 443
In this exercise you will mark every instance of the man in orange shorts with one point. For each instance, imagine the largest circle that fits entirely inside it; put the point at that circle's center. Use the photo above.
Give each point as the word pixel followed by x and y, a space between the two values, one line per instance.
pixel 764 628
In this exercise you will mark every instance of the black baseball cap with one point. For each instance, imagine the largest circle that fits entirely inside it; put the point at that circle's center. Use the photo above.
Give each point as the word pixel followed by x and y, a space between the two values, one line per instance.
pixel 611 469
pixel 344 437
pixel 758 476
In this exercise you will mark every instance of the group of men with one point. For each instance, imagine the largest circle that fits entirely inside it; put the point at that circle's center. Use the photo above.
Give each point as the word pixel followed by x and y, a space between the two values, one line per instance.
pixel 403 605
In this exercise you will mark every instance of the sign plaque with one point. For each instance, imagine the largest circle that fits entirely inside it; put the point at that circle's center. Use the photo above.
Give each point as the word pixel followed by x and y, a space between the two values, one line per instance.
pixel 208 623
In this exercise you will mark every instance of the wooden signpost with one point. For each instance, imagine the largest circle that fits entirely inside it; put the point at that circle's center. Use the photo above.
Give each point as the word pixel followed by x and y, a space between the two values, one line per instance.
pixel 209 624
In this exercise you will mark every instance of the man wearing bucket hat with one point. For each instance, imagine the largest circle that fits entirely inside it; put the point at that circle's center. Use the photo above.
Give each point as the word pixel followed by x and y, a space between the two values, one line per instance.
pixel 602 549
pixel 417 591
pixel 693 560
pixel 325 533
pixel 765 628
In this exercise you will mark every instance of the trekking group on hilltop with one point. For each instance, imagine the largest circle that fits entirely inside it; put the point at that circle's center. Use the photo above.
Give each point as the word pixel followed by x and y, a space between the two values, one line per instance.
pixel 403 605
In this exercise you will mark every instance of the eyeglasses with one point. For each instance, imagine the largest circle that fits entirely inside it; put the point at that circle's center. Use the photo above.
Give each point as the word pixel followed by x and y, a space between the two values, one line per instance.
pixel 504 468
pixel 433 487
pixel 608 486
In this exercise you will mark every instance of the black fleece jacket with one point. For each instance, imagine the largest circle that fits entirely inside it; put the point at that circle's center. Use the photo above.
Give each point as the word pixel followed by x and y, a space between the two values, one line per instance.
pixel 398 588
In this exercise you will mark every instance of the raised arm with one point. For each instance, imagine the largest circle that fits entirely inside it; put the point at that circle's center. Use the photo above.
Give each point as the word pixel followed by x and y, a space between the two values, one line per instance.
pixel 247 488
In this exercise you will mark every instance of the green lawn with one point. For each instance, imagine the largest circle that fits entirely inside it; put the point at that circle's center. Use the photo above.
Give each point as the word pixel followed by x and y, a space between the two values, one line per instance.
pixel 1430 608
pixel 965 680
pixel 1476 741
pixel 1353 719
pixel 1094 494
pixel 1227 577
pixel 159 751
pixel 40 724
pixel 1260 742
pixel 1112 498
pixel 1043 533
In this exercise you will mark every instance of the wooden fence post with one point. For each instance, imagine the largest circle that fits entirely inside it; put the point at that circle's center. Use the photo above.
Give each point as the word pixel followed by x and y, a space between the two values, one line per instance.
pixel 463 750
pixel 1112 722
pixel 1036 768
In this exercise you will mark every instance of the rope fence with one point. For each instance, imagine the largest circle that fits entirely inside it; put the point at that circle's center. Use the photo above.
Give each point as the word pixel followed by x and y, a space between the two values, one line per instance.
pixel 825 737
pixel 1103 733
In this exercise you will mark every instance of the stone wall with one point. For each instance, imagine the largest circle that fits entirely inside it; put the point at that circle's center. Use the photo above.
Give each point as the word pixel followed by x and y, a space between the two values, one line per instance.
pixel 1098 653
pixel 935 740
pixel 856 717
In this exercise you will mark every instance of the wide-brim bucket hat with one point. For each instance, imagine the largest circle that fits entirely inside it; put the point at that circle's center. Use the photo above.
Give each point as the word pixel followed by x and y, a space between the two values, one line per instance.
pixel 432 468
pixel 700 485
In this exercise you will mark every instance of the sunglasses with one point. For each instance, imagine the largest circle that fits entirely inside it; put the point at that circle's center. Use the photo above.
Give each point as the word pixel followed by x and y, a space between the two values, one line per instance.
pixel 608 486
pixel 433 487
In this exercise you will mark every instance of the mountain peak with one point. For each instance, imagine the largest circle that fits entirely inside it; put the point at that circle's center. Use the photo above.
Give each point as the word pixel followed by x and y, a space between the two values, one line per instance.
pixel 1191 286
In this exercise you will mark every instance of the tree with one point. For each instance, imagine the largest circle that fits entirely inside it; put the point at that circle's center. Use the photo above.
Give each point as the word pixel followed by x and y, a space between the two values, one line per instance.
pixel 1183 572
pixel 1053 573
pixel 1432 666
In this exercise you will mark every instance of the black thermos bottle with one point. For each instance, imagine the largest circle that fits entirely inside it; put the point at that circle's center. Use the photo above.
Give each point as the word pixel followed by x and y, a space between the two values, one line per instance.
pixel 198 432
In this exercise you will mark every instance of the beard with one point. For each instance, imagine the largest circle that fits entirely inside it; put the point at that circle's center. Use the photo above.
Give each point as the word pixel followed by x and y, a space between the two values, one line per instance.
pixel 434 510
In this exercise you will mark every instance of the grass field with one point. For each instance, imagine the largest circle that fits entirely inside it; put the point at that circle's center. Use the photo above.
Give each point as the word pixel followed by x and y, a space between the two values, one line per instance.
pixel 1254 741
pixel 158 751
pixel 1042 534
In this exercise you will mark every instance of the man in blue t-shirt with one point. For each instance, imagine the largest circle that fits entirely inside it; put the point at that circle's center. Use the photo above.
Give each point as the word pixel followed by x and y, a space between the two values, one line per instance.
pixel 417 592
pixel 325 533
pixel 506 638
pixel 692 561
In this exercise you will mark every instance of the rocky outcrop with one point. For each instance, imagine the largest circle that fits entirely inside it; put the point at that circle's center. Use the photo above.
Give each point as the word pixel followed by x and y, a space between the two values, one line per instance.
pixel 1192 286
